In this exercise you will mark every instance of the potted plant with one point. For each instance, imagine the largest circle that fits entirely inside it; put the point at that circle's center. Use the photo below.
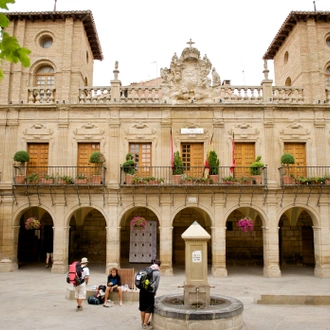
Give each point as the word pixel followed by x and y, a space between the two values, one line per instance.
pixel 255 170
pixel 229 180
pixel 21 157
pixel 98 159
pixel 81 178
pixel 32 178
pixel 65 179
pixel 128 168
pixel 214 163
pixel 245 180
pixel 47 179
pixel 327 179
pixel 178 169
pixel 286 160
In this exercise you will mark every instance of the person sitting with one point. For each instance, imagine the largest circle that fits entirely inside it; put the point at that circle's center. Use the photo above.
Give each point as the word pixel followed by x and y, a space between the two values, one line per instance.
pixel 113 284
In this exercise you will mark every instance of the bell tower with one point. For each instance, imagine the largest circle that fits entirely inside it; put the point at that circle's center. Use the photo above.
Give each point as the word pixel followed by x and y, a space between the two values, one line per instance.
pixel 301 54
pixel 63 48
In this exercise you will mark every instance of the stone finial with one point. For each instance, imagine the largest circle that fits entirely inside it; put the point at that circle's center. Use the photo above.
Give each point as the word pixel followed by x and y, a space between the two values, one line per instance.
pixel 116 71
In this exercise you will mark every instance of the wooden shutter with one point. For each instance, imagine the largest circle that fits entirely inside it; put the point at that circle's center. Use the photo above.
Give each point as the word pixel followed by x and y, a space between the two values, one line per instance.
pixel 38 158
pixel 244 156
pixel 84 152
pixel 192 155
pixel 298 150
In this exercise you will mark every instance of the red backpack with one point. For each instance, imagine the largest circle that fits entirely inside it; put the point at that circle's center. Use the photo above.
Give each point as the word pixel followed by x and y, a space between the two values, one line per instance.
pixel 74 275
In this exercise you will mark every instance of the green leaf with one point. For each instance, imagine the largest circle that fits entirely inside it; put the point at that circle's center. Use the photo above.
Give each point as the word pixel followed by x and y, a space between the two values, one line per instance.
pixel 3 3
pixel 4 21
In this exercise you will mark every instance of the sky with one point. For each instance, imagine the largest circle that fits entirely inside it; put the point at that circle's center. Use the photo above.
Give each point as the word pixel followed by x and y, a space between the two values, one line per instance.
pixel 143 35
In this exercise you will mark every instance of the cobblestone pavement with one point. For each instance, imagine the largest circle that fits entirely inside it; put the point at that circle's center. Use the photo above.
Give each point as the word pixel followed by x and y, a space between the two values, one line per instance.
pixel 34 298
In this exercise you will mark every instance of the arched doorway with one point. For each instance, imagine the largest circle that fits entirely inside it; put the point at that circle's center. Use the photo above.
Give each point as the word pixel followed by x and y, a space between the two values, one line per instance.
pixel 244 248
pixel 87 236
pixel 296 238
pixel 142 248
pixel 33 243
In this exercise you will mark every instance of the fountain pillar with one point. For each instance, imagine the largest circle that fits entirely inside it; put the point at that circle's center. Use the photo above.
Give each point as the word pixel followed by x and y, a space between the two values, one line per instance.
pixel 196 287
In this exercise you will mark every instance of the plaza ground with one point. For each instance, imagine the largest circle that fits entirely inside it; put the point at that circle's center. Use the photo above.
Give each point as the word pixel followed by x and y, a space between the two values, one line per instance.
pixel 34 298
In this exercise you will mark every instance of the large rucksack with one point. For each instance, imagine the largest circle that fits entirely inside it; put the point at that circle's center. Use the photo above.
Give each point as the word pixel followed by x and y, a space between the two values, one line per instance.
pixel 99 296
pixel 143 278
pixel 74 275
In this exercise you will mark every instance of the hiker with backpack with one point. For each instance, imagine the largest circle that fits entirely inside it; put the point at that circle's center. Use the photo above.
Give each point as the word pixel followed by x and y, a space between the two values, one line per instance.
pixel 80 290
pixel 148 291
pixel 113 284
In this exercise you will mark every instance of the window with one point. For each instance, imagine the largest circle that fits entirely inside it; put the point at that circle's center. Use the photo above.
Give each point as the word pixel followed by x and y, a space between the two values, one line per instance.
pixel 327 77
pixel 142 158
pixel 46 41
pixel 328 41
pixel 288 81
pixel 45 76
pixel 286 57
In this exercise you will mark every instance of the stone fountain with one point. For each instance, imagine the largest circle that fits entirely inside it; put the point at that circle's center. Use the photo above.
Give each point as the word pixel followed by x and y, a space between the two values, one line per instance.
pixel 197 308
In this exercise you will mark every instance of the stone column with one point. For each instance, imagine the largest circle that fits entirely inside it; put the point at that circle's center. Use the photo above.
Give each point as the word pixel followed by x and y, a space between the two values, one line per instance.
pixel 8 262
pixel 219 252
pixel 271 251
pixel 112 248
pixel 61 249
pixel 166 234
pixel 322 251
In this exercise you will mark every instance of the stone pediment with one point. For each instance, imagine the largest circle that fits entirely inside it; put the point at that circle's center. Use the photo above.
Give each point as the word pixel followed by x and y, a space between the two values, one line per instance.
pixel 187 78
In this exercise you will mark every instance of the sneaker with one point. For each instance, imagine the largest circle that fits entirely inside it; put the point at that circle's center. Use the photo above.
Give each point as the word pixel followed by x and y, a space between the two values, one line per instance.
pixel 144 326
pixel 47 266
pixel 79 308
pixel 120 303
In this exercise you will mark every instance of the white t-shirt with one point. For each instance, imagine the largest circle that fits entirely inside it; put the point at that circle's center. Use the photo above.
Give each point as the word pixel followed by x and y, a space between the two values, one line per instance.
pixel 85 271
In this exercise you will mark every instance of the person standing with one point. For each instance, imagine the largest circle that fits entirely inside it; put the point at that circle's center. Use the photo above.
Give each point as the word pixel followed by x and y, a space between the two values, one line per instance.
pixel 80 290
pixel 49 249
pixel 147 297
pixel 113 284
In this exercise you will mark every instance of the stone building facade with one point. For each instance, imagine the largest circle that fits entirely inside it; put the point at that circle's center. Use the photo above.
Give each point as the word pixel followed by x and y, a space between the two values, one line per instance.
pixel 53 111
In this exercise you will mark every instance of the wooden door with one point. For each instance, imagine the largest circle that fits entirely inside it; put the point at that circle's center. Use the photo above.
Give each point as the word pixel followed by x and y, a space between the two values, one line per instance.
pixel 244 156
pixel 84 152
pixel 192 155
pixel 38 162
pixel 141 153
pixel 298 150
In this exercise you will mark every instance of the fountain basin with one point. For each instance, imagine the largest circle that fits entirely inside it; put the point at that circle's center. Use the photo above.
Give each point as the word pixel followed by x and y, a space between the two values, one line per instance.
pixel 222 313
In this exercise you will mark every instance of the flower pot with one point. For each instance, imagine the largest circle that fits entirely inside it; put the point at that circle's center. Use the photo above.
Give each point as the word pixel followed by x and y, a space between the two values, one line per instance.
pixel 96 179
pixel 256 178
pixel 287 179
pixel 176 179
pixel 20 179
pixel 47 181
pixel 214 178
pixel 81 181
pixel 129 178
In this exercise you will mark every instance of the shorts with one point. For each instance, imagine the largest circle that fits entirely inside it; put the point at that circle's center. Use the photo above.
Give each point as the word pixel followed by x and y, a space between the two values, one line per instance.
pixel 49 254
pixel 80 291
pixel 146 301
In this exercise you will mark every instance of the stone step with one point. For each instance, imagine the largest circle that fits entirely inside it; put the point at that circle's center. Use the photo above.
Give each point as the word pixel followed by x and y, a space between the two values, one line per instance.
pixel 129 296
pixel 272 299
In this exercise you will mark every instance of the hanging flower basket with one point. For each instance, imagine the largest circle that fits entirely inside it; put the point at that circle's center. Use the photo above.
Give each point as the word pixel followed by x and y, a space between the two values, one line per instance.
pixel 32 223
pixel 246 224
pixel 138 223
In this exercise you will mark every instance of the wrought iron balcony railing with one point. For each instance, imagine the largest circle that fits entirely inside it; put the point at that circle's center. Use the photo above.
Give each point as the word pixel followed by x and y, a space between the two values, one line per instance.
pixel 59 175
pixel 193 175
pixel 306 175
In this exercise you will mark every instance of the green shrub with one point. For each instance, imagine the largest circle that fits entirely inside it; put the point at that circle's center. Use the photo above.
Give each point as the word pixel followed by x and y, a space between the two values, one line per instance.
pixel 256 166
pixel 21 156
pixel 214 163
pixel 287 159
pixel 97 158
pixel 178 165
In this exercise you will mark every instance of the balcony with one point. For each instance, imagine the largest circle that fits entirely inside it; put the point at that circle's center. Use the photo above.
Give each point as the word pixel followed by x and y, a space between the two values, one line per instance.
pixel 59 175
pixel 192 176
pixel 305 175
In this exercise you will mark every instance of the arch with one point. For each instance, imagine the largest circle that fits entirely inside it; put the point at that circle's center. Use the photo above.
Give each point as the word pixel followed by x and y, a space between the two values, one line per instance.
pixel 17 214
pixel 311 212
pixel 288 81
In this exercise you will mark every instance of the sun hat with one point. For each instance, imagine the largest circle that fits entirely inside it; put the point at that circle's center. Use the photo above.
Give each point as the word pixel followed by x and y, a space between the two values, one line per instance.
pixel 84 260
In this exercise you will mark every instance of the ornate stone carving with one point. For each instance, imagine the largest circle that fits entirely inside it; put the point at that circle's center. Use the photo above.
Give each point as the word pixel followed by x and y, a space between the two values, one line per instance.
pixel 187 78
